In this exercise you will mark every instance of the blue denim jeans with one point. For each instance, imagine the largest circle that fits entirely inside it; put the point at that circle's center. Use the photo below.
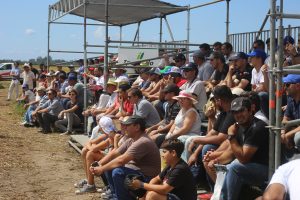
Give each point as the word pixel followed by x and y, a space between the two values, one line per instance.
pixel 239 174
pixel 116 179
pixel 27 115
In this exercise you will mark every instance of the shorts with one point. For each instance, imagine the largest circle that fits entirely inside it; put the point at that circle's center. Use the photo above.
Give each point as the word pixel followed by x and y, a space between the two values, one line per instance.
pixel 171 196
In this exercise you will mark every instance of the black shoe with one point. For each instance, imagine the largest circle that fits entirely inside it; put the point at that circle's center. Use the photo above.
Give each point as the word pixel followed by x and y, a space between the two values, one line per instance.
pixel 41 131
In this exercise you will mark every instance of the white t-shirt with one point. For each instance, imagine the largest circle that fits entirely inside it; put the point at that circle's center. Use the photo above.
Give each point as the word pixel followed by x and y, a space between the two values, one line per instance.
pixel 257 77
pixel 28 78
pixel 31 96
pixel 288 175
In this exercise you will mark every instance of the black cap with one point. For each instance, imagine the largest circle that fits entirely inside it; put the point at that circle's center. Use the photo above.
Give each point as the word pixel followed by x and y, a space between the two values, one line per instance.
pixel 134 119
pixel 190 66
pixel 172 88
pixel 179 56
pixel 240 103
pixel 239 55
pixel 124 87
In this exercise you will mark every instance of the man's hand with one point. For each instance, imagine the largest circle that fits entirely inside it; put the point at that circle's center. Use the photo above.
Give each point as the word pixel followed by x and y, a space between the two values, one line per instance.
pixel 96 170
pixel 233 129
pixel 191 147
pixel 193 159
pixel 136 184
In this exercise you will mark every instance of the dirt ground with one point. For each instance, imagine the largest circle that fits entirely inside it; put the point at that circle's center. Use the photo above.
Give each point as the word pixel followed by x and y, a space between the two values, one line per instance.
pixel 35 165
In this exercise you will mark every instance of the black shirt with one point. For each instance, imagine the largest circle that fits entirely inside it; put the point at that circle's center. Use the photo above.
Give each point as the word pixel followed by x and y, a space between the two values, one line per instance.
pixel 181 178
pixel 247 74
pixel 171 112
pixel 220 75
pixel 223 122
pixel 78 111
pixel 255 135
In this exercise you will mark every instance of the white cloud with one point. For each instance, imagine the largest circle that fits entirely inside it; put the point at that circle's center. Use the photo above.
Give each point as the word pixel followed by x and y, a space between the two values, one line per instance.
pixel 99 33
pixel 29 31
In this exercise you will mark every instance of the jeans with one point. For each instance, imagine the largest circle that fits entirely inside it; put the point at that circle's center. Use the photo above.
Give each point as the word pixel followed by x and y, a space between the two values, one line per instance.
pixel 116 179
pixel 27 115
pixel 45 120
pixel 239 174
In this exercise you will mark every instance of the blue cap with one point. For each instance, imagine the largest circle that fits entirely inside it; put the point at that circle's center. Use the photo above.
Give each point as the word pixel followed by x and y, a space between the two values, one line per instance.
pixel 72 77
pixel 258 53
pixel 292 78
pixel 25 85
pixel 288 39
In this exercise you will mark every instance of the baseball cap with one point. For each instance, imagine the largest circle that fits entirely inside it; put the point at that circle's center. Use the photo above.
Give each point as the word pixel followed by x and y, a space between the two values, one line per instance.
pixel 123 87
pixel 26 65
pixel 72 77
pixel 41 88
pixel 239 55
pixel 179 57
pixel 111 82
pixel 154 70
pixel 25 86
pixel 134 119
pixel 199 54
pixel 288 39
pixel 190 66
pixel 107 124
pixel 166 70
pixel 292 78
pixel 239 103
pixel 71 66
pixel 172 88
pixel 258 53
pixel 175 71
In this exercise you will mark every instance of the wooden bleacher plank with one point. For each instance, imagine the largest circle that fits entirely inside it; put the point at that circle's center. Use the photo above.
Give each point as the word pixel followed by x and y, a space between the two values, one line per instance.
pixel 78 141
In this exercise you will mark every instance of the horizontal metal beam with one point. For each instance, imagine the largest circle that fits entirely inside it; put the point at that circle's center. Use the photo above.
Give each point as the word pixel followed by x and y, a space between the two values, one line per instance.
pixel 291 16
pixel 92 45
pixel 140 6
pixel 54 51
pixel 205 4
pixel 293 67
pixel 158 43
pixel 73 23
pixel 291 71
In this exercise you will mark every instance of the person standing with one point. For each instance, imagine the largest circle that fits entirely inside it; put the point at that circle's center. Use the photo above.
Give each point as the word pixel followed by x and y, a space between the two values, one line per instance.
pixel 15 82
pixel 28 76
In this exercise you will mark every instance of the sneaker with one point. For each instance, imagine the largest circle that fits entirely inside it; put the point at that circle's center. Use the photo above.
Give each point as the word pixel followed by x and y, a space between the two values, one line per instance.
pixel 66 133
pixel 23 123
pixel 86 189
pixel 29 125
pixel 103 190
pixel 81 183
pixel 107 195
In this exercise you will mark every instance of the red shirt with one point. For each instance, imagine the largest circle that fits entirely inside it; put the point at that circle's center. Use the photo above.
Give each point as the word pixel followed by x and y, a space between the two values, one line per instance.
pixel 181 82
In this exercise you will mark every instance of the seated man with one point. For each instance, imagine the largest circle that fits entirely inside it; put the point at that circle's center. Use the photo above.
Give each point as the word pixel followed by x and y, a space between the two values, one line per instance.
pixel 172 110
pixel 137 155
pixel 291 137
pixel 143 107
pixel 92 151
pixel 48 112
pixel 285 182
pixel 175 182
pixel 249 142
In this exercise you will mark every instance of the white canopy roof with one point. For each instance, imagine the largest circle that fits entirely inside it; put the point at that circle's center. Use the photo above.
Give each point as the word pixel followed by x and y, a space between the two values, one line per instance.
pixel 121 12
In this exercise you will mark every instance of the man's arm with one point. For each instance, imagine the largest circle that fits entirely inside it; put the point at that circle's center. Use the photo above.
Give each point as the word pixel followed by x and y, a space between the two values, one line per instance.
pixel 275 191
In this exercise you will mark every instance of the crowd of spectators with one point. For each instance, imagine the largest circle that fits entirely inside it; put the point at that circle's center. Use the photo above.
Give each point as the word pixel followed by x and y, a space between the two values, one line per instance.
pixel 211 111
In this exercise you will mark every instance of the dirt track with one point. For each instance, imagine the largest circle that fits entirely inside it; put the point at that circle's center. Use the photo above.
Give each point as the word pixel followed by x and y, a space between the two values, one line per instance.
pixel 34 165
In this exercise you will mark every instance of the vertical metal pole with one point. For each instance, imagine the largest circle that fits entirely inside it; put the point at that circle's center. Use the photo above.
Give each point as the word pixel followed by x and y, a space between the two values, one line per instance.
pixel 271 87
pixel 106 46
pixel 48 38
pixel 160 30
pixel 227 20
pixel 279 89
pixel 188 28
pixel 120 36
pixel 85 66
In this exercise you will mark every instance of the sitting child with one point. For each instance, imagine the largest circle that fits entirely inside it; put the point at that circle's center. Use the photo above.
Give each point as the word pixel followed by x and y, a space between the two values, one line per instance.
pixel 175 182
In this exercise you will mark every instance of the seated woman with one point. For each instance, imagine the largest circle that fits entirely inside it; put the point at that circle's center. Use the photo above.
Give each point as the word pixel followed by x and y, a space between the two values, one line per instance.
pixel 187 122
pixel 73 115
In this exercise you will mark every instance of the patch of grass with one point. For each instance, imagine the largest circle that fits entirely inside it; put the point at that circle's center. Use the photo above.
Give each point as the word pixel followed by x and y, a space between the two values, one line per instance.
pixel 18 109
pixel 1 86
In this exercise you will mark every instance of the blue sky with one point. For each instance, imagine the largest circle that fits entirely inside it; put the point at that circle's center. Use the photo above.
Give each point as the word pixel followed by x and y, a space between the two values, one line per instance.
pixel 23 32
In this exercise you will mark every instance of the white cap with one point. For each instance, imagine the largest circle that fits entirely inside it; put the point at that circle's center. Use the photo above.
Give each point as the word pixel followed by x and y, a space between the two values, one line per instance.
pixel 106 124
pixel 122 79
pixel 175 70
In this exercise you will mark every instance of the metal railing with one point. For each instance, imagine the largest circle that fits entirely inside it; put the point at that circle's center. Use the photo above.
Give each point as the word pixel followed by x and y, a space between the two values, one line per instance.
pixel 243 41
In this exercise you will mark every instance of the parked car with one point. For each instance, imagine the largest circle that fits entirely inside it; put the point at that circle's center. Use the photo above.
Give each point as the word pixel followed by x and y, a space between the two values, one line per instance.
pixel 5 70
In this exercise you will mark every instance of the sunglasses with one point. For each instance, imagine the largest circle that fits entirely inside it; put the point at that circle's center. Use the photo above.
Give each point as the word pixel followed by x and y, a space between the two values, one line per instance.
pixel 287 84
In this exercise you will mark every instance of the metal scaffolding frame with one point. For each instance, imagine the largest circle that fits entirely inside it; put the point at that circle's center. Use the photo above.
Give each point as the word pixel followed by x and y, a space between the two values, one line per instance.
pixel 64 7
pixel 275 98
